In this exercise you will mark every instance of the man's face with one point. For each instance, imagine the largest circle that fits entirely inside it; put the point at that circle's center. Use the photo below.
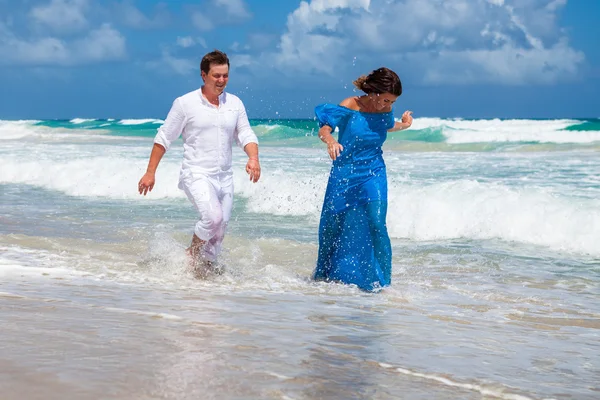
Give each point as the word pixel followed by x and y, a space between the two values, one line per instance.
pixel 216 79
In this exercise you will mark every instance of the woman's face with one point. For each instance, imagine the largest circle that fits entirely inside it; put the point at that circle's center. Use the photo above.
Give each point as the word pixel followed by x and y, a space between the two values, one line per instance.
pixel 383 101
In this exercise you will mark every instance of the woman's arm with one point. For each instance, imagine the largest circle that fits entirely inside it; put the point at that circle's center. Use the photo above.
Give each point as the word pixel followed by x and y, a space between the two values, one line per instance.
pixel 407 121
pixel 333 147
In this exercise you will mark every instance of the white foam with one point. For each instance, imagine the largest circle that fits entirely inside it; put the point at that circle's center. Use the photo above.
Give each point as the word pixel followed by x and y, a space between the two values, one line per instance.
pixel 499 392
pixel 16 262
pixel 269 127
pixel 39 133
pixel 115 178
pixel 494 124
pixel 438 211
pixel 284 192
pixel 518 130
pixel 457 209
pixel 151 314
pixel 10 130
pixel 15 270
pixel 19 122
pixel 81 120
pixel 456 137
pixel 457 131
pixel 470 209
pixel 140 121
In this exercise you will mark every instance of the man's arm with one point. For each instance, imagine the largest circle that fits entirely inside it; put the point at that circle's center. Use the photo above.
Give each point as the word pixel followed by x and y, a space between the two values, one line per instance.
pixel 167 133
pixel 246 138
pixel 253 164
pixel 147 182
pixel 251 149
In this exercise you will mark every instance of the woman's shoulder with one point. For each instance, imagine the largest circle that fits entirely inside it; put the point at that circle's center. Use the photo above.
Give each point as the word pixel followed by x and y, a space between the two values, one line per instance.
pixel 335 109
pixel 351 103
pixel 333 114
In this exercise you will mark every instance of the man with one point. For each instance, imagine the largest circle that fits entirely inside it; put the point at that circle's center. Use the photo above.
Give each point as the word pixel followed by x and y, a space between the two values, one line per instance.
pixel 209 119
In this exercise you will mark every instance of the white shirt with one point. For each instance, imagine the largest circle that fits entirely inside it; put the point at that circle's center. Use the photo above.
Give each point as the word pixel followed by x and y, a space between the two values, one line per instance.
pixel 208 132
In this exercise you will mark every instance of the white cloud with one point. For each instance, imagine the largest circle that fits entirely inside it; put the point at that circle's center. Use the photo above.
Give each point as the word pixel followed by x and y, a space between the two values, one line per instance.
pixel 241 60
pixel 100 45
pixel 237 47
pixel 556 4
pixel 46 51
pixel 451 41
pixel 235 8
pixel 61 15
pixel 508 65
pixel 188 41
pixel 226 12
pixel 132 17
pixel 173 63
pixel 311 41
pixel 261 41
pixel 181 66
pixel 202 22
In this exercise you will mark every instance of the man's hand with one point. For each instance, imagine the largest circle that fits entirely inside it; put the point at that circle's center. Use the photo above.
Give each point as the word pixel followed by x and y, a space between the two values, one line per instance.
pixel 253 169
pixel 146 183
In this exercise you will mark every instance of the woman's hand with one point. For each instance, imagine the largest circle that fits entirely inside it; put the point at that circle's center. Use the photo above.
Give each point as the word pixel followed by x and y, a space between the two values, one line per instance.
pixel 406 122
pixel 407 119
pixel 334 148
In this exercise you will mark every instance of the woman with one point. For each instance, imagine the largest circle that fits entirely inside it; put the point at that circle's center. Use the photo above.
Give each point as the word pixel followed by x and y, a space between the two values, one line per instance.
pixel 354 246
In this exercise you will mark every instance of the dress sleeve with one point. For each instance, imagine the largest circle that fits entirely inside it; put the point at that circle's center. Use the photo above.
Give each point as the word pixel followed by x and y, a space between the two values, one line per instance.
pixel 173 126
pixel 391 121
pixel 330 115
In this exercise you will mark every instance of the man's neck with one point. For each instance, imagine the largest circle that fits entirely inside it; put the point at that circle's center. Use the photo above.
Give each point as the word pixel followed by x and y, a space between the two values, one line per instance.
pixel 211 97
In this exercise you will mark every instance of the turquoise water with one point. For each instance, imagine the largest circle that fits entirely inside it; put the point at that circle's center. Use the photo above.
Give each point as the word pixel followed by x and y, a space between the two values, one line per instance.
pixel 429 134
pixel 585 125
pixel 495 226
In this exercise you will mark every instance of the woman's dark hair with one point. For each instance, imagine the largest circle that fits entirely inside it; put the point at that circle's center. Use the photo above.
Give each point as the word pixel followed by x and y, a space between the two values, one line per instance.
pixel 214 57
pixel 381 80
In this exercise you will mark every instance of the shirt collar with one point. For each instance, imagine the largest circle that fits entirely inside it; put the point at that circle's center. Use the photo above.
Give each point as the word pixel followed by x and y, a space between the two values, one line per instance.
pixel 222 97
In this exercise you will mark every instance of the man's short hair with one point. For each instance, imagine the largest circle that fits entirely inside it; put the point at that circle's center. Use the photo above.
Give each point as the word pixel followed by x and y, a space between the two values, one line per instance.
pixel 215 57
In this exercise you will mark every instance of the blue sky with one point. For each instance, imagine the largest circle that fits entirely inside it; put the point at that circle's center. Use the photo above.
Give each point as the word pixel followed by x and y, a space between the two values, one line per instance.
pixel 456 58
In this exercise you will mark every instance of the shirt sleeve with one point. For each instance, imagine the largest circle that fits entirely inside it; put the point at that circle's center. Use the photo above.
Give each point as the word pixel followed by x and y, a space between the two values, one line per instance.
pixel 243 131
pixel 173 126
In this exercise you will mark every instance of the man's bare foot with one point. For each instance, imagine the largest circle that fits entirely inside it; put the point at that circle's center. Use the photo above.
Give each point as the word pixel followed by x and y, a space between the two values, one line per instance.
pixel 192 259
pixel 204 269
pixel 218 269
pixel 201 270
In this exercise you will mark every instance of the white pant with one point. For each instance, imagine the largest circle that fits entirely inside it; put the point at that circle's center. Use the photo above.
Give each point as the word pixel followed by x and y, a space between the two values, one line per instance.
pixel 213 203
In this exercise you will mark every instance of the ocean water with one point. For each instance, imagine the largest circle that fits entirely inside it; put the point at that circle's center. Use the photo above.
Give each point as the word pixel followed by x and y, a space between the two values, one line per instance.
pixel 495 226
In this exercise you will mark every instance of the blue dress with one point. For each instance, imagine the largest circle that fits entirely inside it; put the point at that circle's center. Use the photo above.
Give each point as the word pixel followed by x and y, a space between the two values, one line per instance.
pixel 354 246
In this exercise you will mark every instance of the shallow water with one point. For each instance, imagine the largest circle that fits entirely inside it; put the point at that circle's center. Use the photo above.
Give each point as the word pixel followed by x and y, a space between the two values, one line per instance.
pixel 496 275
